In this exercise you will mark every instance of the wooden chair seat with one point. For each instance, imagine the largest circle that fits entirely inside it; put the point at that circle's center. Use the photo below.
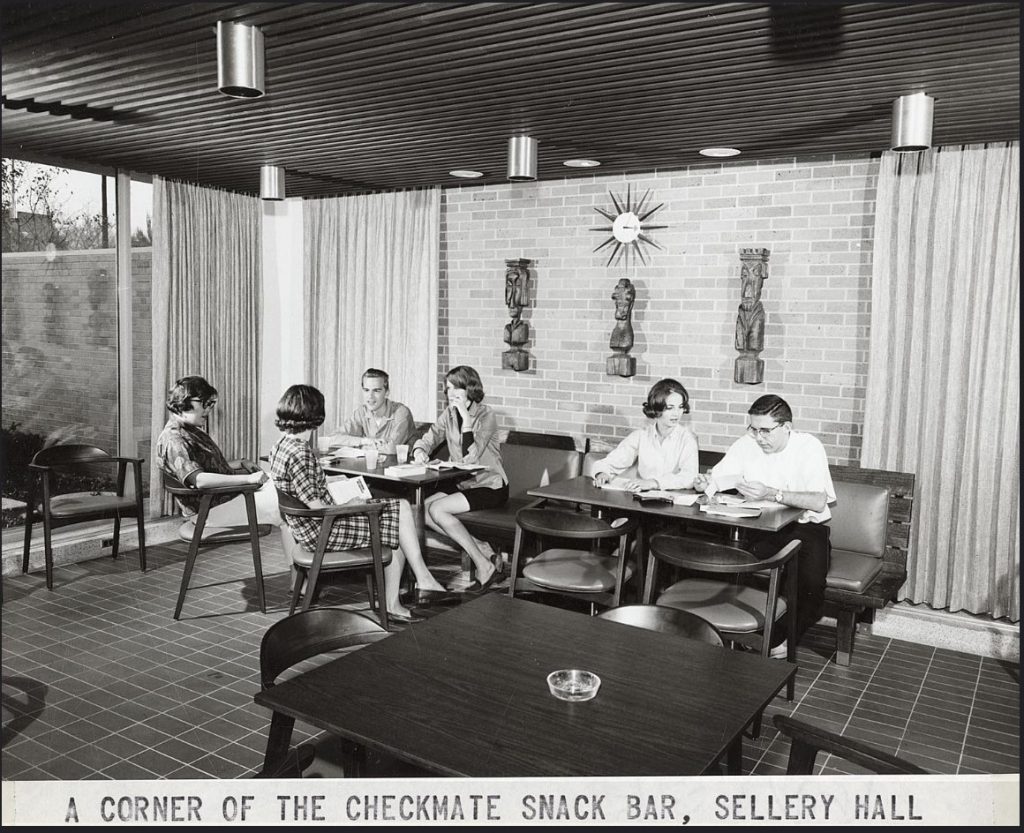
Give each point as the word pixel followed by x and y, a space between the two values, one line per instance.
pixel 80 504
pixel 576 571
pixel 338 560
pixel 729 607
pixel 214 535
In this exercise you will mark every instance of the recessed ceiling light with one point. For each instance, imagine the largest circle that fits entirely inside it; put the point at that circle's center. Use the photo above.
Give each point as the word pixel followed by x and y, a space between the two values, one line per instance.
pixel 462 174
pixel 581 163
pixel 719 152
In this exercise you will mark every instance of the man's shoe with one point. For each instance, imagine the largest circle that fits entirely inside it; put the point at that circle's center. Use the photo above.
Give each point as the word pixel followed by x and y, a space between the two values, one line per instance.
pixel 780 650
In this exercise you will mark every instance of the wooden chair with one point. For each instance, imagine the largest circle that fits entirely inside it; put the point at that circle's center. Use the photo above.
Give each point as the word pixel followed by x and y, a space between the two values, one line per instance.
pixel 573 572
pixel 251 532
pixel 311 565
pixel 297 638
pixel 64 509
pixel 665 620
pixel 806 741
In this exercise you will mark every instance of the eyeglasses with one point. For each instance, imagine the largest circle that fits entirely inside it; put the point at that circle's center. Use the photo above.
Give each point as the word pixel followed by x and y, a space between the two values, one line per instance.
pixel 206 403
pixel 763 433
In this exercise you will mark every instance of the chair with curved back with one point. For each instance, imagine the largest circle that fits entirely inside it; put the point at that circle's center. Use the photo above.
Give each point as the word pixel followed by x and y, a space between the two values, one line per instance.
pixel 568 571
pixel 665 620
pixel 745 615
pixel 805 741
pixel 59 510
pixel 288 642
pixel 198 537
pixel 311 565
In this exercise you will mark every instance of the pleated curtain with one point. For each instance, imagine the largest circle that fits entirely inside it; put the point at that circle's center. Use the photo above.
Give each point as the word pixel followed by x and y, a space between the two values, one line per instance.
pixel 207 301
pixel 943 383
pixel 371 283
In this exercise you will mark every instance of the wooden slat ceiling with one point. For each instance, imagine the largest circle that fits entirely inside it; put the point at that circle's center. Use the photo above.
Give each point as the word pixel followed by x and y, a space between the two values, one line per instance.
pixel 372 96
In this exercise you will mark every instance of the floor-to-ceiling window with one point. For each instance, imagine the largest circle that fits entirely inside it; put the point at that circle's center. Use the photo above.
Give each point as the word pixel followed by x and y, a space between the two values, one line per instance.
pixel 63 326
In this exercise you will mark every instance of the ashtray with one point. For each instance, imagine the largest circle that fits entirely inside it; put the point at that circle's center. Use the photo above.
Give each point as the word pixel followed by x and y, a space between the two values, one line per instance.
pixel 574 685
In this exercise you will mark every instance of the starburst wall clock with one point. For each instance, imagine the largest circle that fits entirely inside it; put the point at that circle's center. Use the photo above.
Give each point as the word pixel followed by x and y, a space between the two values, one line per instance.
pixel 628 227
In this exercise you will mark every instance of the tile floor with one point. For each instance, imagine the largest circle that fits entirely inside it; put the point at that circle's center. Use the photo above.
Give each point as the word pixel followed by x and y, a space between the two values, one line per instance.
pixel 100 682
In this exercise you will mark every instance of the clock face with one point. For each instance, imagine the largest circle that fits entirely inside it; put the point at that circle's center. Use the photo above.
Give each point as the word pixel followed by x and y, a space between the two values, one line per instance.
pixel 626 227
pixel 629 228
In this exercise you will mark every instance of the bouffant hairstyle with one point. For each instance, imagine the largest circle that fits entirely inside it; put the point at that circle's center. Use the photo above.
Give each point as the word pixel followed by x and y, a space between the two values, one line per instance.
pixel 300 409
pixel 467 379
pixel 771 405
pixel 659 394
pixel 187 388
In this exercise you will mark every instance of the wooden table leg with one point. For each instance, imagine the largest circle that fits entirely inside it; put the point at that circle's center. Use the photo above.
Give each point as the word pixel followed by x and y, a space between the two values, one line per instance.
pixel 353 759
pixel 279 740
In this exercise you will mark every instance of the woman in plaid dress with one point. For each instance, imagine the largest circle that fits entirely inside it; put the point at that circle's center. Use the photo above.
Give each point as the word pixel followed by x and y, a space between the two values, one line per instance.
pixel 296 470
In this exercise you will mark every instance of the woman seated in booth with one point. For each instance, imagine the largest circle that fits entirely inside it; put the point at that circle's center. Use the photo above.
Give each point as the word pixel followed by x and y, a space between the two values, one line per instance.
pixel 471 431
pixel 664 450
pixel 296 471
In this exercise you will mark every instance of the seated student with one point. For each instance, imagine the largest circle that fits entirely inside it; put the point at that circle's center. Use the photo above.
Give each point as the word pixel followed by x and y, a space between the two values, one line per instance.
pixel 787 467
pixel 664 450
pixel 471 431
pixel 296 471
pixel 379 421
pixel 187 453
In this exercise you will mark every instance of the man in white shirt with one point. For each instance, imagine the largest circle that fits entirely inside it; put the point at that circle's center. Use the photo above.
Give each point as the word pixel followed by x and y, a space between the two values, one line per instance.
pixel 379 422
pixel 789 467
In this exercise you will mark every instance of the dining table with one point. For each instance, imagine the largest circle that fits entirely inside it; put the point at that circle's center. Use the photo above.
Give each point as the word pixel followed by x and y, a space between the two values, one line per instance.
pixel 582 491
pixel 415 487
pixel 465 693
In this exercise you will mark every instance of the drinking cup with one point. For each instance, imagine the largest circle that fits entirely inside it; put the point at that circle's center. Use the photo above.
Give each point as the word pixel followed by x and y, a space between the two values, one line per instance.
pixel 323 443
pixel 371 458
pixel 402 452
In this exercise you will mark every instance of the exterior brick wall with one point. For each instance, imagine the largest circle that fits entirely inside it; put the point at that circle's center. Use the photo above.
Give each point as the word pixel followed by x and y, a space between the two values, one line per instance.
pixel 60 344
pixel 814 214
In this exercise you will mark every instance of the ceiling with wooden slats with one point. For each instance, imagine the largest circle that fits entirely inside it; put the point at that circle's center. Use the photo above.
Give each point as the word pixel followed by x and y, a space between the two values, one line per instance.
pixel 374 96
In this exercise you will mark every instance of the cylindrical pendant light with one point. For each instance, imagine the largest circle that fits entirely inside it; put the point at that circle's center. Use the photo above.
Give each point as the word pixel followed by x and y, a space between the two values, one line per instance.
pixel 271 182
pixel 912 122
pixel 239 60
pixel 522 158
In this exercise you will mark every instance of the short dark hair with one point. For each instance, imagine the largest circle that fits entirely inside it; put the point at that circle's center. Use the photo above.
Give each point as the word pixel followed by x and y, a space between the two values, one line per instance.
pixel 187 388
pixel 771 405
pixel 660 392
pixel 467 379
pixel 374 373
pixel 301 408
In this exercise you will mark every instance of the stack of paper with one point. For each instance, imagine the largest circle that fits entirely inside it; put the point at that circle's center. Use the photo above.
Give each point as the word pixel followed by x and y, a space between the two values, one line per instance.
pixel 405 470
pixel 731 511
pixel 347 453
pixel 441 465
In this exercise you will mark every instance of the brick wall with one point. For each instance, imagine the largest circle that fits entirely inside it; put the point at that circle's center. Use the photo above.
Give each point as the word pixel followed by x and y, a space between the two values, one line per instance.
pixel 60 344
pixel 815 215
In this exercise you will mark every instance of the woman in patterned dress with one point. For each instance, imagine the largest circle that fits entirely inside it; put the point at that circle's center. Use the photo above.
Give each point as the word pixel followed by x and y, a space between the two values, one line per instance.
pixel 296 471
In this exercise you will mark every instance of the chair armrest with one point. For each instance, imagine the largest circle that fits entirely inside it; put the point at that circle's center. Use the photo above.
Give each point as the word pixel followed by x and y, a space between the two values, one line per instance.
pixel 335 511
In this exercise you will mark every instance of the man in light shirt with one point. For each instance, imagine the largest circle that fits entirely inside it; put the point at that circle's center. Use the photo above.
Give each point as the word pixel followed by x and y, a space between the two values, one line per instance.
pixel 789 467
pixel 380 422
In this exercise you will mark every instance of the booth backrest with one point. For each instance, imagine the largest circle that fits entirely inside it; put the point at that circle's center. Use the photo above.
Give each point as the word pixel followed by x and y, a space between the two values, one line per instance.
pixel 860 518
pixel 529 466
pixel 592 457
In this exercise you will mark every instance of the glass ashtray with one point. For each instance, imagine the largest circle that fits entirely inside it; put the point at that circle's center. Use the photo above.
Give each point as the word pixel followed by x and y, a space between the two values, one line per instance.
pixel 574 685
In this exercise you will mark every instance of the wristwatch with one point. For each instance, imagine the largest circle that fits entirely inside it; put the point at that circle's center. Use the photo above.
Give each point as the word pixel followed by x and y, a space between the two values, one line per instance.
pixel 778 496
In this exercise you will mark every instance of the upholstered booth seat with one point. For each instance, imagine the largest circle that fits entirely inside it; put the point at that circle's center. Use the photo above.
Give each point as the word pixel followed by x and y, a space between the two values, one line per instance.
pixel 731 607
pixel 575 571
pixel 852 571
